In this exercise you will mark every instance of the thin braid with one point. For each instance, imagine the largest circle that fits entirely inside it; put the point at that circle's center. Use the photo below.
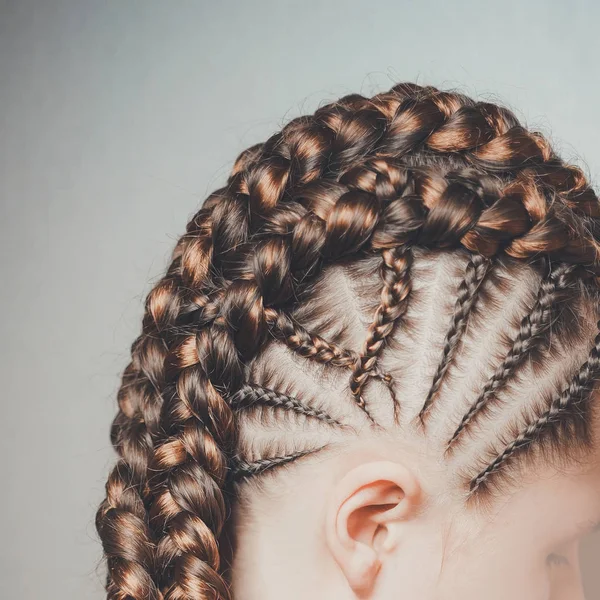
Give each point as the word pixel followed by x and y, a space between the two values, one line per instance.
pixel 563 409
pixel 314 347
pixel 308 344
pixel 242 469
pixel 476 270
pixel 250 395
pixel 395 272
pixel 531 334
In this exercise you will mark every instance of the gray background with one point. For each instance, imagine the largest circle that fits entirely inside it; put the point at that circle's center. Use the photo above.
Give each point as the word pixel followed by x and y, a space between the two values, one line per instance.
pixel 118 117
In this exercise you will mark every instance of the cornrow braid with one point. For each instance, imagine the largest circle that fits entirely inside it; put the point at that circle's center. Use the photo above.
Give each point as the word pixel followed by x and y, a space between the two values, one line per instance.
pixel 314 347
pixel 395 272
pixel 531 334
pixel 565 411
pixel 308 344
pixel 401 220
pixel 250 395
pixel 242 469
pixel 476 270
pixel 361 177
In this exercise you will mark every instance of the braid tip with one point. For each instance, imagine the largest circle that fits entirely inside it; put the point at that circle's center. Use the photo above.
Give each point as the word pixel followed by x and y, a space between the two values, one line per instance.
pixel 474 486
pixel 388 381
pixel 420 421
pixel 362 404
pixel 450 448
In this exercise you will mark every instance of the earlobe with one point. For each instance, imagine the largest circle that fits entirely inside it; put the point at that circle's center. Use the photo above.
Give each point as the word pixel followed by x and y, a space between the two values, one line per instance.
pixel 363 516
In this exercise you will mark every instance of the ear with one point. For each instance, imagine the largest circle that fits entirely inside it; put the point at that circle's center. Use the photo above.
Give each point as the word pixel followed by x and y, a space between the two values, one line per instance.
pixel 364 517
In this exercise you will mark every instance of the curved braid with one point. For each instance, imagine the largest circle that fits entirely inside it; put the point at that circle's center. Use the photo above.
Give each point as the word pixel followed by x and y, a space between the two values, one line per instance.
pixel 190 462
pixel 565 411
pixel 291 205
pixel 122 518
pixel 531 334
pixel 476 270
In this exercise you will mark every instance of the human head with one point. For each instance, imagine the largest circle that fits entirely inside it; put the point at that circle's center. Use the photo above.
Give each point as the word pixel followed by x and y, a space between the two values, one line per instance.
pixel 370 369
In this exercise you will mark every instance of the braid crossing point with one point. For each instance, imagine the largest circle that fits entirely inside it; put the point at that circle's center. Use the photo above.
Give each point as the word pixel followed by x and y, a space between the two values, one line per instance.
pixel 311 345
pixel 395 274
pixel 410 169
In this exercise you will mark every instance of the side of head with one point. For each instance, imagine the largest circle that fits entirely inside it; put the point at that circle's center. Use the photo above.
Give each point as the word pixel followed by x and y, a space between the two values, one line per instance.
pixel 369 371
pixel 495 477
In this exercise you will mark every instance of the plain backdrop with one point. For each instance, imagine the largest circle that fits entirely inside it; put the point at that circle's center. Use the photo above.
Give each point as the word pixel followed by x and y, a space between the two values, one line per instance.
pixel 118 117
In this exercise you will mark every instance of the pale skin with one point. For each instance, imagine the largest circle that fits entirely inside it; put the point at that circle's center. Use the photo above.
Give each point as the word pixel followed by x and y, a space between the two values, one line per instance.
pixel 377 521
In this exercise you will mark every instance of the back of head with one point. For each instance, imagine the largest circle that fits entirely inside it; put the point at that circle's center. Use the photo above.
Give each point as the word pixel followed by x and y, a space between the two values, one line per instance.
pixel 369 371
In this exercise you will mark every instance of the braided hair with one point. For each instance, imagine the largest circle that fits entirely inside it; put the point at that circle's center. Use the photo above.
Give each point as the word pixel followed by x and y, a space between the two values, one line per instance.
pixel 326 241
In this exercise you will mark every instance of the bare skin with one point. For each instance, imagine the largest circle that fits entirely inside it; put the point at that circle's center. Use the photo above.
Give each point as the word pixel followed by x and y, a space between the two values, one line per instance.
pixel 376 522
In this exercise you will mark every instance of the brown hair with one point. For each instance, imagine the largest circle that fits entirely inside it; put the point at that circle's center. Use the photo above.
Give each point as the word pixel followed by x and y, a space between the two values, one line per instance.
pixel 358 208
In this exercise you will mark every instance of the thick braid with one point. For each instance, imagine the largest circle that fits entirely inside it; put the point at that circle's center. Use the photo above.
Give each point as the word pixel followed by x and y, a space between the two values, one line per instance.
pixel 190 463
pixel 488 136
pixel 189 507
pixel 565 409
pixel 476 270
pixel 531 334
pixel 122 519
